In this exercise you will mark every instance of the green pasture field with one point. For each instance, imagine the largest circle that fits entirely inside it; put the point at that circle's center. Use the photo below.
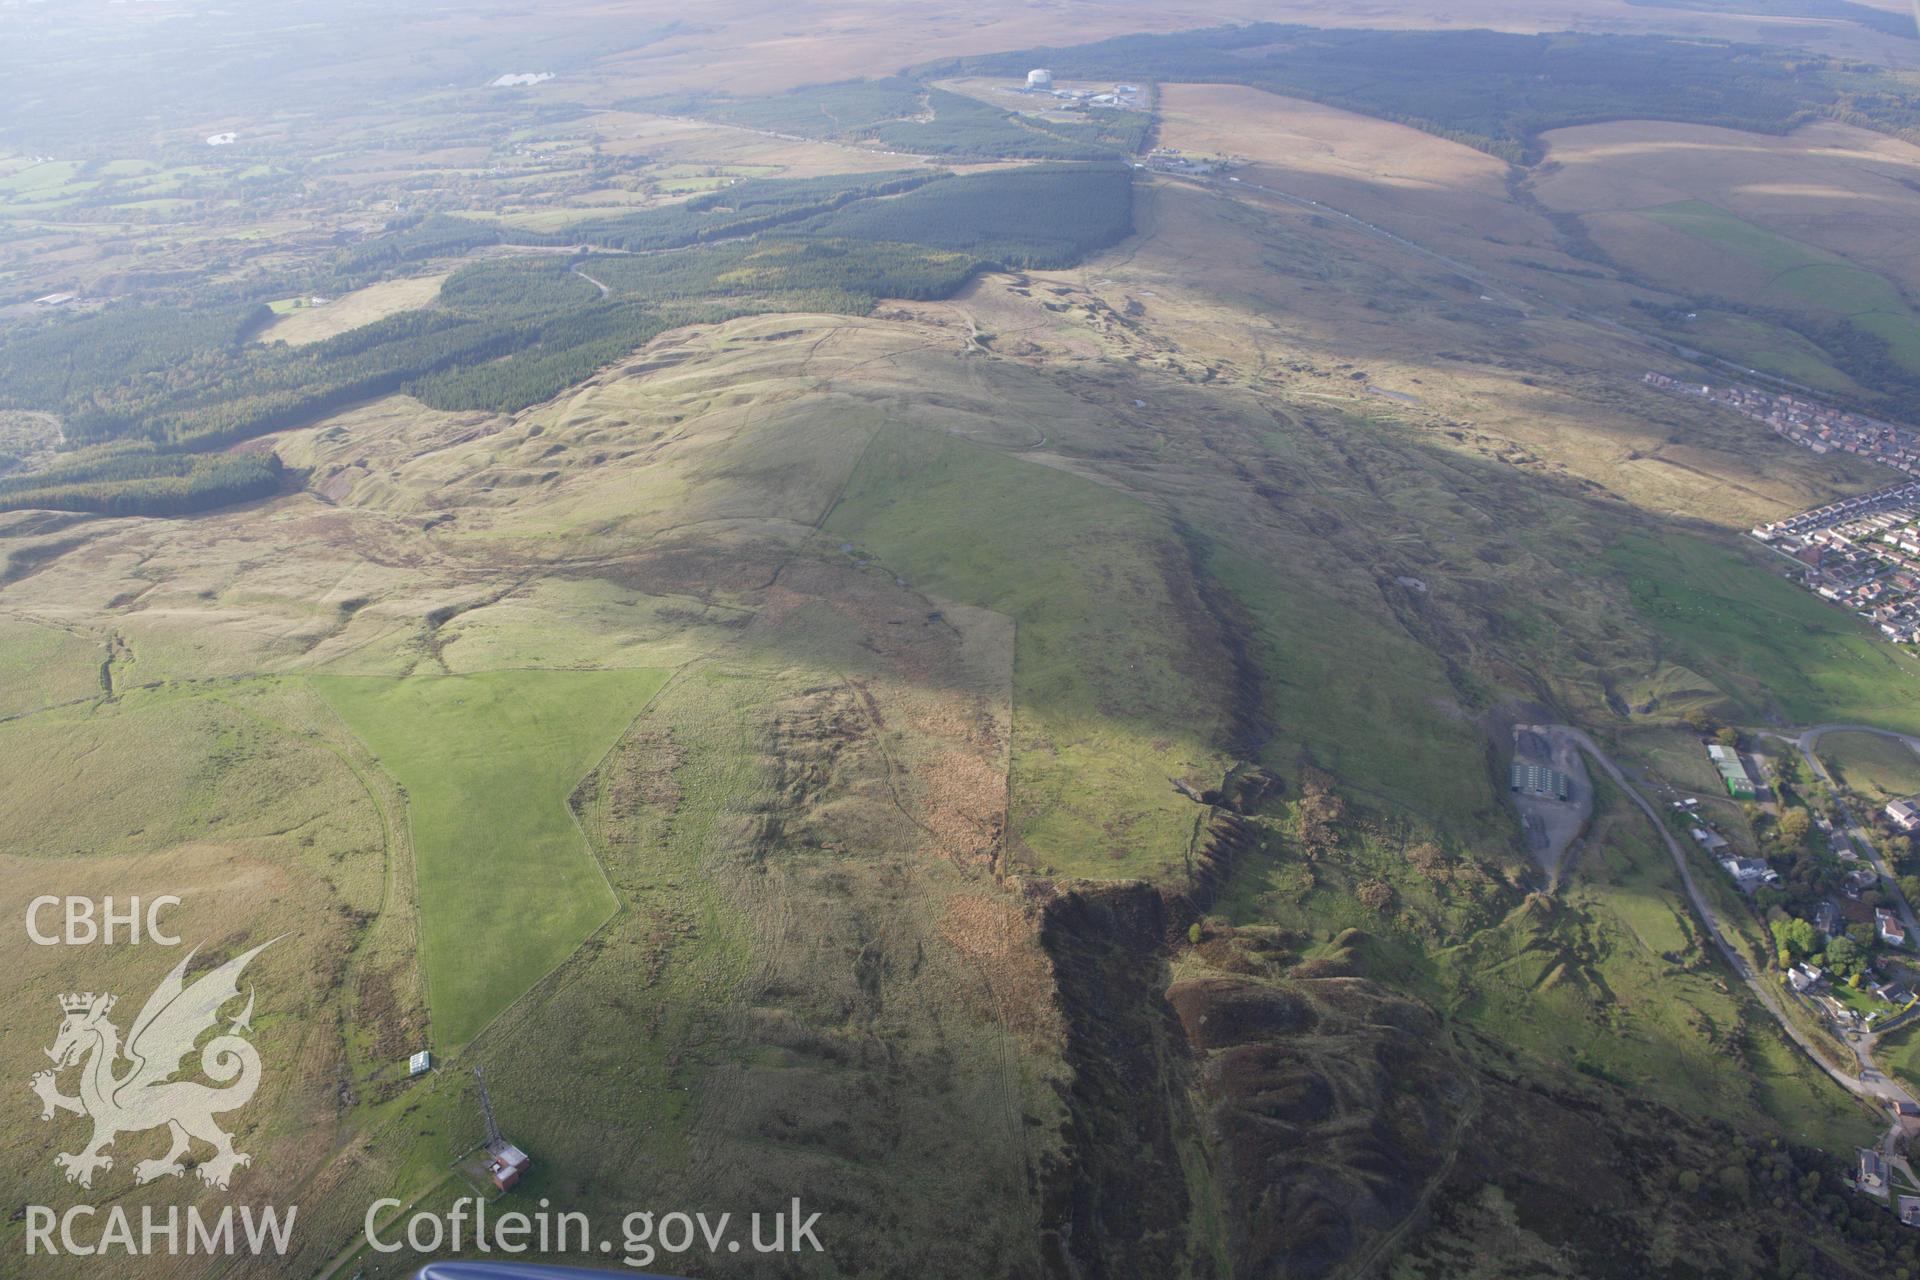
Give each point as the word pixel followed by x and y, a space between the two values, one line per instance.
pixel 1899 1053
pixel 1768 348
pixel 1881 769
pixel 39 180
pixel 1107 704
pixel 508 886
pixel 1897 329
pixel 1804 277
pixel 1776 650
pixel 138 186
pixel 1372 719
pixel 544 220
pixel 1839 287
pixel 1704 221
pixel 689 179
pixel 42 666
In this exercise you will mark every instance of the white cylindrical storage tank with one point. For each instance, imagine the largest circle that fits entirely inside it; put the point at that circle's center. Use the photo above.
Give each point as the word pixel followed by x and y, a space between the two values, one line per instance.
pixel 1039 78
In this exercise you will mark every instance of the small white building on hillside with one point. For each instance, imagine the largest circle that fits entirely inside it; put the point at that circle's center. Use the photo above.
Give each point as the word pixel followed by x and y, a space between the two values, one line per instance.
pixel 1891 931
pixel 1904 815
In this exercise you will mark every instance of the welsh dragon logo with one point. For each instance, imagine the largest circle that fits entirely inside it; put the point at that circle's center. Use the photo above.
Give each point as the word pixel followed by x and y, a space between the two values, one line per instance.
pixel 144 1095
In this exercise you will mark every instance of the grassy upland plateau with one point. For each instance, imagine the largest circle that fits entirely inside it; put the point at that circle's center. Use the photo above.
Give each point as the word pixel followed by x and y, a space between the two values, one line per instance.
pixel 848 641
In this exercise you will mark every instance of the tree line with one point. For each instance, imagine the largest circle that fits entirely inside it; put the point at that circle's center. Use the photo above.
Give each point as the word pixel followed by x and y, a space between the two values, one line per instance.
pixel 507 333
pixel 743 209
pixel 145 483
pixel 904 113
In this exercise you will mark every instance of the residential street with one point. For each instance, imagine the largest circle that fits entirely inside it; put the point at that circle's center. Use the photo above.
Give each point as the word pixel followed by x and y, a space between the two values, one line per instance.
pixel 1871 1083
pixel 1861 837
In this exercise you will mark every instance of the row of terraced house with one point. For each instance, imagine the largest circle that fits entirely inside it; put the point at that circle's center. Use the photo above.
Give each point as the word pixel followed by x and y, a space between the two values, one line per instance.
pixel 1862 554
pixel 1808 423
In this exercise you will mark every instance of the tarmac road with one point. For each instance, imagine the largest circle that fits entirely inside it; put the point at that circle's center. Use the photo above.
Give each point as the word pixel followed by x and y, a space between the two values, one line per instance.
pixel 1870 1083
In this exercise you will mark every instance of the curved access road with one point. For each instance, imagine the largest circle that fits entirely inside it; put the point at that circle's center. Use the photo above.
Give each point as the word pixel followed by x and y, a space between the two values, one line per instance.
pixel 1809 736
pixel 1870 1083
